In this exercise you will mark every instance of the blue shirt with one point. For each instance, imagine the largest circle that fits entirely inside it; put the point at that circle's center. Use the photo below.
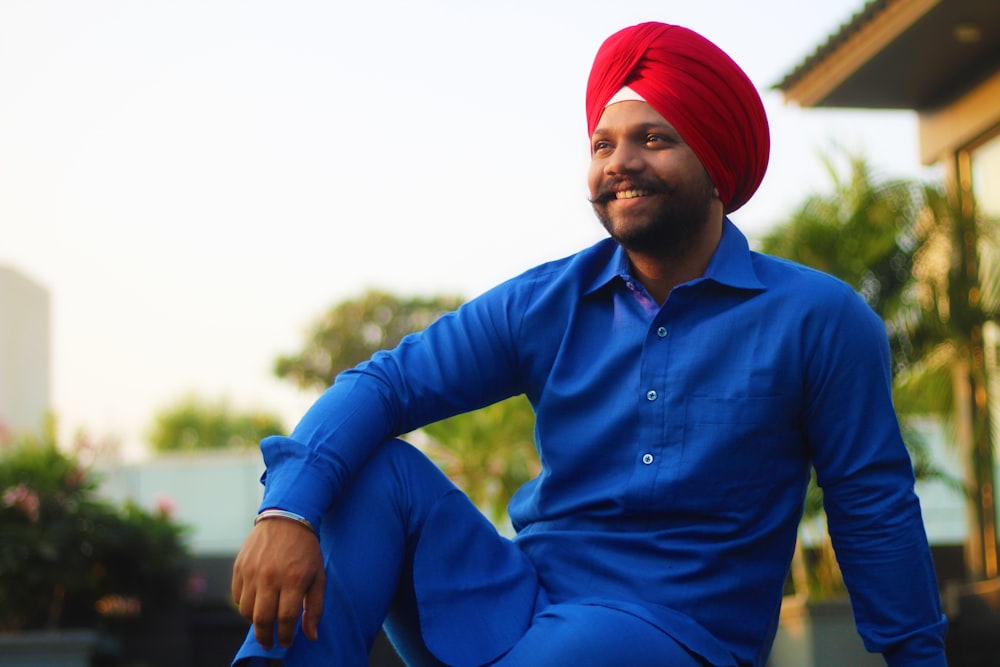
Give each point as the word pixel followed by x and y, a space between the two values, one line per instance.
pixel 675 441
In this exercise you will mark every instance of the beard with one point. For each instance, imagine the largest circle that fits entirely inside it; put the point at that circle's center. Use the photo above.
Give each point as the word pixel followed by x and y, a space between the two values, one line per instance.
pixel 668 231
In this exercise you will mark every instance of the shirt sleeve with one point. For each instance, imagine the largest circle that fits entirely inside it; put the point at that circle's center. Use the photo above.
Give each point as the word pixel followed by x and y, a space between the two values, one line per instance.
pixel 866 475
pixel 463 361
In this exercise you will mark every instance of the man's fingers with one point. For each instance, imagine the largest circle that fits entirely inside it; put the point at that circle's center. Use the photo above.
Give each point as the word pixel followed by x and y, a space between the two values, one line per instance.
pixel 302 584
pixel 312 608
pixel 236 587
pixel 286 629
pixel 262 614
pixel 246 604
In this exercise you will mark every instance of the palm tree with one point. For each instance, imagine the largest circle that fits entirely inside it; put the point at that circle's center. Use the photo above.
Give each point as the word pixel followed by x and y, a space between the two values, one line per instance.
pixel 956 298
pixel 913 254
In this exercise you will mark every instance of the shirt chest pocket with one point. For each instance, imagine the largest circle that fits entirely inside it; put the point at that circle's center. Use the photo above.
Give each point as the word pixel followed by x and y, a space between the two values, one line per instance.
pixel 735 449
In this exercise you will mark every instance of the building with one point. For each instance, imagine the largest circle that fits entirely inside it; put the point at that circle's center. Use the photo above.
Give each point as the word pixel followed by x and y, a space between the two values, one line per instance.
pixel 214 493
pixel 25 358
pixel 939 58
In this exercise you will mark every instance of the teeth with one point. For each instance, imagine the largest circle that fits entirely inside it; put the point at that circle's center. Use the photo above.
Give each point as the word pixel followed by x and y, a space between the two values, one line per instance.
pixel 631 194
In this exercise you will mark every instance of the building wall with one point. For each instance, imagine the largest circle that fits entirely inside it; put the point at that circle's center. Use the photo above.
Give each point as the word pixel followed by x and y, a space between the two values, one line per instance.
pixel 215 494
pixel 946 131
pixel 24 352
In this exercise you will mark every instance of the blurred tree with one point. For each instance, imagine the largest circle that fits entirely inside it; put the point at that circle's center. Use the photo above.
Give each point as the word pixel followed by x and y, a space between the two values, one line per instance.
pixel 958 303
pixel 353 330
pixel 195 424
pixel 489 453
pixel 865 232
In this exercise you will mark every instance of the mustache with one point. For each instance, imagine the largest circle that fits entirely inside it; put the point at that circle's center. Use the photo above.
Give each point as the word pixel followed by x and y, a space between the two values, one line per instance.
pixel 608 190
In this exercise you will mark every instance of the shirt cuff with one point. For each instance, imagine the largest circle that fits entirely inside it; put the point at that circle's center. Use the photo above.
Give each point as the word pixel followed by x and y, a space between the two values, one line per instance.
pixel 922 649
pixel 294 480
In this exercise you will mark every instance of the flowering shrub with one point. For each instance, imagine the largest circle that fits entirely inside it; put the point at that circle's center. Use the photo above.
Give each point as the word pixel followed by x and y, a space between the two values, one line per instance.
pixel 66 556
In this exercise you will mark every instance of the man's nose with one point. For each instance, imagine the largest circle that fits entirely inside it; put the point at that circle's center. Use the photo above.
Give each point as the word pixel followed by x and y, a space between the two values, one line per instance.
pixel 626 159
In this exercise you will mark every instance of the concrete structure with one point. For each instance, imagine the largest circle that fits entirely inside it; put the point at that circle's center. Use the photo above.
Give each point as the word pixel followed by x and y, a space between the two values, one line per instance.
pixel 940 58
pixel 216 494
pixel 25 357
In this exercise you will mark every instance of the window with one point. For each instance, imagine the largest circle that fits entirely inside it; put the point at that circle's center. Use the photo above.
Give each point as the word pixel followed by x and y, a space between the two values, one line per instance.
pixel 986 176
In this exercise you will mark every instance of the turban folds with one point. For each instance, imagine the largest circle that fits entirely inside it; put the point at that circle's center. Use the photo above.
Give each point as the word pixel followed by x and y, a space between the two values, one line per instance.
pixel 699 90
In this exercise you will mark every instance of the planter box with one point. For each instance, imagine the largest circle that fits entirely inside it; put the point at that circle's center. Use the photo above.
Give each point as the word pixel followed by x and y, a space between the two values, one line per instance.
pixel 974 623
pixel 819 634
pixel 69 648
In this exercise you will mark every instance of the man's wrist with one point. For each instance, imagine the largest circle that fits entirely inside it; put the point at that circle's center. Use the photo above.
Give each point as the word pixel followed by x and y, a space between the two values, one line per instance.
pixel 276 513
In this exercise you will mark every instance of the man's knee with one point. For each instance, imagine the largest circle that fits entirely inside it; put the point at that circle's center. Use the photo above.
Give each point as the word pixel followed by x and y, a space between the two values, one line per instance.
pixel 399 463
pixel 396 485
pixel 397 452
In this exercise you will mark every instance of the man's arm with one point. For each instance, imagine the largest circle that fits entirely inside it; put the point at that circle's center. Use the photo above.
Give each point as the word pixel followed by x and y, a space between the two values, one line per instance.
pixel 461 362
pixel 867 478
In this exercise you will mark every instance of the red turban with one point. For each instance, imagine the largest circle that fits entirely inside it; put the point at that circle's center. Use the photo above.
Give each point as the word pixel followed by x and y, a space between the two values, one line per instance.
pixel 699 90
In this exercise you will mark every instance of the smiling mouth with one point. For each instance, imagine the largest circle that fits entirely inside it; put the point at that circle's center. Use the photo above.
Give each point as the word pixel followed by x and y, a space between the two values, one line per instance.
pixel 629 191
pixel 632 194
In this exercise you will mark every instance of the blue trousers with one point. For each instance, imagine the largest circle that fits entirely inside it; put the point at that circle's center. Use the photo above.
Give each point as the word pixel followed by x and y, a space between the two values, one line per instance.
pixel 406 549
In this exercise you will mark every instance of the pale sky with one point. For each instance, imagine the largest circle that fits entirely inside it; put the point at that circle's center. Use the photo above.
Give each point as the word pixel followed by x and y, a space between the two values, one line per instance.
pixel 195 181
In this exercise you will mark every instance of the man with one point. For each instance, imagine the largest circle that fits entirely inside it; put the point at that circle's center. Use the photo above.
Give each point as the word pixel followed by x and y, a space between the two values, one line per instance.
pixel 682 385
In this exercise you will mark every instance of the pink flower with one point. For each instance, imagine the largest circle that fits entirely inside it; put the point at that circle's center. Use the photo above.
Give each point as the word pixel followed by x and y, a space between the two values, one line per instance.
pixel 22 498
pixel 165 505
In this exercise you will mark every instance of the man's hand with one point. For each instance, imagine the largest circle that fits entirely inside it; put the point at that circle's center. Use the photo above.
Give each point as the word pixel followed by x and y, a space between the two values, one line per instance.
pixel 277 575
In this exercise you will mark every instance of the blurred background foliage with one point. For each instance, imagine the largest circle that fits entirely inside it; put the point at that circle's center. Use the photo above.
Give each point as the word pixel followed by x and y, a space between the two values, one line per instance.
pixel 194 423
pixel 69 559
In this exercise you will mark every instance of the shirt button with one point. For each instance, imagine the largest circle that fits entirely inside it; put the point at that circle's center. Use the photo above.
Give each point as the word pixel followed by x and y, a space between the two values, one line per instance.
pixel 647 458
pixel 661 332
pixel 650 395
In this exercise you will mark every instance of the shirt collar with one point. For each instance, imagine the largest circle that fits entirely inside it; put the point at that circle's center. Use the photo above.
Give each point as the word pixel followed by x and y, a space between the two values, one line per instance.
pixel 731 264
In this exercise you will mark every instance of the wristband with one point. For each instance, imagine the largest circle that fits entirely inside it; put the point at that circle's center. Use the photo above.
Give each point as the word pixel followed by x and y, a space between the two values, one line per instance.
pixel 274 513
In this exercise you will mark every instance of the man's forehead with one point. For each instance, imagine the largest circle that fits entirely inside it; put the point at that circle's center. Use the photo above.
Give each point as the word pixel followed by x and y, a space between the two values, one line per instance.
pixel 631 113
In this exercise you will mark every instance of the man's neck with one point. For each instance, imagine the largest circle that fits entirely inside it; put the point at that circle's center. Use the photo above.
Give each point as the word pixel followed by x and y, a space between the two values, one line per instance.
pixel 660 274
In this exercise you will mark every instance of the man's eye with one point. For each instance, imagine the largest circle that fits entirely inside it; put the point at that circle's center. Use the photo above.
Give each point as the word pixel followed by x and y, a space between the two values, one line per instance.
pixel 601 145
